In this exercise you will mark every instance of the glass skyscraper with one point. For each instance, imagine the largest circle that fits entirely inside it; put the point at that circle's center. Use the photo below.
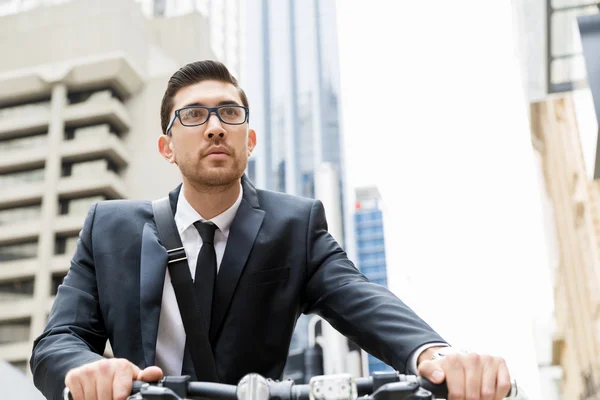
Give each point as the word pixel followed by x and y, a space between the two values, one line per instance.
pixel 291 76
pixel 370 247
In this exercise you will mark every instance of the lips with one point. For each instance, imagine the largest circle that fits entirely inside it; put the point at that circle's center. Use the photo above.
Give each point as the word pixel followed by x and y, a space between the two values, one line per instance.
pixel 217 151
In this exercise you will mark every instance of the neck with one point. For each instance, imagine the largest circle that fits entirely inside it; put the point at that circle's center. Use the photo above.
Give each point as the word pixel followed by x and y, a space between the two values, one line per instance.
pixel 210 201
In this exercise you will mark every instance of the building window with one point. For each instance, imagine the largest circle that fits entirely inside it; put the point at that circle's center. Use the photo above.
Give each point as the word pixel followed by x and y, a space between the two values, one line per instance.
pixel 77 206
pixel 57 280
pixel 91 132
pixel 16 290
pixel 13 331
pixel 88 168
pixel 22 143
pixel 19 251
pixel 65 245
pixel 91 95
pixel 20 214
pixel 16 179
pixel 24 110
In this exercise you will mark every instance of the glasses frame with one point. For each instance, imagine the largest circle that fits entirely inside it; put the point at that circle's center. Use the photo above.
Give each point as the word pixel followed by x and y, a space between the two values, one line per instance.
pixel 211 110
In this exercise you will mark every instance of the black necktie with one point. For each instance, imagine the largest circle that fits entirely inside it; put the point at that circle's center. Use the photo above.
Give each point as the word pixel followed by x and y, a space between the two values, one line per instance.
pixel 204 282
pixel 206 268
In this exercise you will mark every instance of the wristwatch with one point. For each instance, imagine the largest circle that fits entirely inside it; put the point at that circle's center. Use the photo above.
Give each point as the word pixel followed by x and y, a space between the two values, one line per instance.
pixel 447 351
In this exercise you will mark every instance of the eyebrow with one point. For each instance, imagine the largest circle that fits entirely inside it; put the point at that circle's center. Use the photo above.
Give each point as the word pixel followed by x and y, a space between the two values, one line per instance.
pixel 221 103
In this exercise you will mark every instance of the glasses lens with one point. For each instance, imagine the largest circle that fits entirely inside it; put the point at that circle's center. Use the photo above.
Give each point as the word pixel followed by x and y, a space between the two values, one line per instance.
pixel 193 116
pixel 233 114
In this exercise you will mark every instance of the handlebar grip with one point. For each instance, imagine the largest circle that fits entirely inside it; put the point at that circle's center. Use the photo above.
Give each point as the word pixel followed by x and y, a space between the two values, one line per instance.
pixel 441 391
pixel 136 387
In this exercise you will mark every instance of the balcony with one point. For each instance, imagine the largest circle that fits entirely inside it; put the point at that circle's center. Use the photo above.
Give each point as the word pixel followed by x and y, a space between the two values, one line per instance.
pixel 23 153
pixel 21 120
pixel 69 225
pixel 95 142
pixel 106 183
pixel 61 263
pixel 19 232
pixel 18 268
pixel 16 310
pixel 101 107
pixel 24 194
pixel 15 351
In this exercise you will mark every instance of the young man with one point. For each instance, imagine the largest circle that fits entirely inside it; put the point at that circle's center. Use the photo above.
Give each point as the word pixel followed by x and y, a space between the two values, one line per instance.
pixel 274 260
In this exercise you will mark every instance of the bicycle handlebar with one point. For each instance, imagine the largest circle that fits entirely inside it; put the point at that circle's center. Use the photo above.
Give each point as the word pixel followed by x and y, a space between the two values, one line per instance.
pixel 379 386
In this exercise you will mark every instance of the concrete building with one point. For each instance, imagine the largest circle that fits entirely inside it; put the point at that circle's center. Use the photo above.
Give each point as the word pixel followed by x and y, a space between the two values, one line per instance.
pixel 292 80
pixel 225 20
pixel 370 245
pixel 576 211
pixel 80 90
pixel 564 135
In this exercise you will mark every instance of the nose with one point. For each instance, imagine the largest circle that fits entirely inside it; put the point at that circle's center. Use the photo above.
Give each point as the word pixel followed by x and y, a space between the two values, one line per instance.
pixel 214 128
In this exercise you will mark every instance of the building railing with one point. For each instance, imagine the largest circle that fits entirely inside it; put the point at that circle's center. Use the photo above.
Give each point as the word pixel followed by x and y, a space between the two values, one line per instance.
pixel 24 110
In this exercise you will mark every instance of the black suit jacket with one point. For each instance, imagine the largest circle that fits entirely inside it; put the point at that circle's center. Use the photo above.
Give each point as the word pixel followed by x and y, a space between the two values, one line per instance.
pixel 279 262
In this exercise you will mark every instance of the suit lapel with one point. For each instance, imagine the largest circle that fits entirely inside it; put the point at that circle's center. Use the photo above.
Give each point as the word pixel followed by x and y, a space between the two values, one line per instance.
pixel 244 228
pixel 153 267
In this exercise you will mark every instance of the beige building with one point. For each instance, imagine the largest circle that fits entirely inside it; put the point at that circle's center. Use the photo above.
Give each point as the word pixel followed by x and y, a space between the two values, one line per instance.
pixel 80 90
pixel 576 213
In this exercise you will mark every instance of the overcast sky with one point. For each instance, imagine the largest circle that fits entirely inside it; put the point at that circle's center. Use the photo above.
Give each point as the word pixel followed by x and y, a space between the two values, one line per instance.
pixel 434 114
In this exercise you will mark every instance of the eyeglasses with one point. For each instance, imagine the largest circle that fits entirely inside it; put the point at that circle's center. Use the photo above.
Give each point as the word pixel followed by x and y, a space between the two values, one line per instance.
pixel 198 115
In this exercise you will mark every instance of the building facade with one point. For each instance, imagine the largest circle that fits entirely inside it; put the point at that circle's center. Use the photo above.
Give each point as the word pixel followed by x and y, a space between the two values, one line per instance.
pixel 291 75
pixel 575 203
pixel 79 121
pixel 370 248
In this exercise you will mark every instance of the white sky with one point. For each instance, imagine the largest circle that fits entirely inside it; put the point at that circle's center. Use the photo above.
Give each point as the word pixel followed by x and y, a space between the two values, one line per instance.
pixel 435 115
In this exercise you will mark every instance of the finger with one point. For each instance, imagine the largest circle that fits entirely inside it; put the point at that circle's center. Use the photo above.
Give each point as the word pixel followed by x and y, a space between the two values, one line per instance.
pixel 125 373
pixel 455 376
pixel 151 374
pixel 104 375
pixel 72 382
pixel 432 371
pixel 502 381
pixel 488 379
pixel 473 369
pixel 88 382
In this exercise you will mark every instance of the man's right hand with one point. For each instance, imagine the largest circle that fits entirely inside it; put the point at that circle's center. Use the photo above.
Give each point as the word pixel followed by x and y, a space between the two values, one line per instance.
pixel 108 379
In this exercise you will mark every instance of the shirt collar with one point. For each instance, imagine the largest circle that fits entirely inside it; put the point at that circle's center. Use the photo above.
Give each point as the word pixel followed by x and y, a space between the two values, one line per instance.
pixel 185 216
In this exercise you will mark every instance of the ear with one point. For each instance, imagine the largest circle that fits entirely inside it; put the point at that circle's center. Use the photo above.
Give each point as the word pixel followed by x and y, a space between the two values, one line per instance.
pixel 251 141
pixel 165 147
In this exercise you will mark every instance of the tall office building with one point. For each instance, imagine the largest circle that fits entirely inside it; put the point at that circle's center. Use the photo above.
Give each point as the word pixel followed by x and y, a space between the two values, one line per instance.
pixel 370 245
pixel 80 90
pixel 291 76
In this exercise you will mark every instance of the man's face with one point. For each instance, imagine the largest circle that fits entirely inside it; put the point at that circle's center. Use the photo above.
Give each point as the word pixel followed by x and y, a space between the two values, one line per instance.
pixel 214 153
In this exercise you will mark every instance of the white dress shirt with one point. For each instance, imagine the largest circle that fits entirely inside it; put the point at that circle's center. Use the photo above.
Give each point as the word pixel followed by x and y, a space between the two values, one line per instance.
pixel 170 341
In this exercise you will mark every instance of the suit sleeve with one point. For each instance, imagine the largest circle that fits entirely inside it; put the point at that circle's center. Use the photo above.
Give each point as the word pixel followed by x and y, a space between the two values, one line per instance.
pixel 75 333
pixel 368 314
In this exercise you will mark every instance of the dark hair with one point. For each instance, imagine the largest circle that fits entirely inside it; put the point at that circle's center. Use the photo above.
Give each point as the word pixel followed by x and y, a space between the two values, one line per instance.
pixel 190 74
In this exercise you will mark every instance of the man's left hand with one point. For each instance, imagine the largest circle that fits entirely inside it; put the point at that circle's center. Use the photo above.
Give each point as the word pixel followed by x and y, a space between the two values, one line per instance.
pixel 470 376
